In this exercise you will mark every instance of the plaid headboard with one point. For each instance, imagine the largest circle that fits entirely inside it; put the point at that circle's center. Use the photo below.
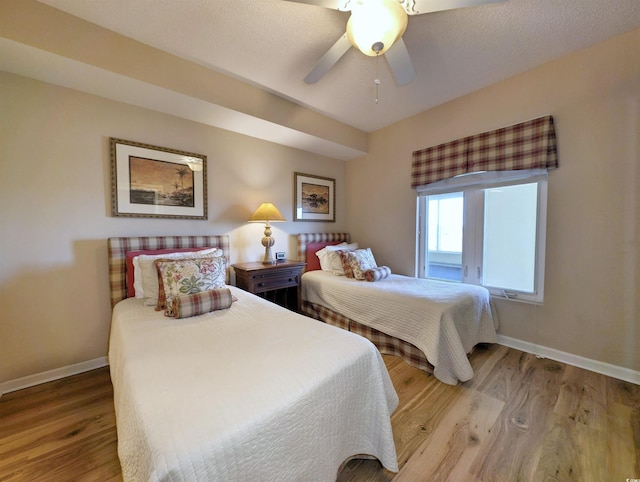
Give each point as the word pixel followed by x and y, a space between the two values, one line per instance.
pixel 118 248
pixel 305 238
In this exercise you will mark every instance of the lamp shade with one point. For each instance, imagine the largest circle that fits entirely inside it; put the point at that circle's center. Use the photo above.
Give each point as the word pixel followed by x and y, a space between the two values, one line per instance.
pixel 376 22
pixel 267 212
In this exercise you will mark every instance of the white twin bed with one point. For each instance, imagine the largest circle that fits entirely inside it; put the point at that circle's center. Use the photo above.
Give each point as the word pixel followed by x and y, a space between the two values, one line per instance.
pixel 433 325
pixel 250 392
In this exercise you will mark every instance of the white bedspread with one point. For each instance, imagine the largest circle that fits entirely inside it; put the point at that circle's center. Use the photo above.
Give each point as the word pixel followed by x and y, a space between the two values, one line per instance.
pixel 252 393
pixel 444 320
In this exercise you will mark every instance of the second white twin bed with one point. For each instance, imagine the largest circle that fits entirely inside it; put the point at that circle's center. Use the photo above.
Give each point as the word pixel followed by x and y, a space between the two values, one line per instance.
pixel 432 324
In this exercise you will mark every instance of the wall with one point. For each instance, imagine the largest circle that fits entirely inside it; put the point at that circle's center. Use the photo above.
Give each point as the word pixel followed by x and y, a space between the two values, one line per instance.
pixel 591 307
pixel 55 212
pixel 55 206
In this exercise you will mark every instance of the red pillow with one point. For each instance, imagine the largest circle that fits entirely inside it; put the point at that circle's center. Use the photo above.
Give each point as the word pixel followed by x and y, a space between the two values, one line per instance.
pixel 313 263
pixel 131 292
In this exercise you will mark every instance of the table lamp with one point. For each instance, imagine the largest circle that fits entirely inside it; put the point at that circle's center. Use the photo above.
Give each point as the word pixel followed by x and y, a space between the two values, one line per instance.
pixel 265 213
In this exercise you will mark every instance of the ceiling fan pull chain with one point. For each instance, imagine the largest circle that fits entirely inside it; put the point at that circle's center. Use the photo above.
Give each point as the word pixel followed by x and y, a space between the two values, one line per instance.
pixel 377 80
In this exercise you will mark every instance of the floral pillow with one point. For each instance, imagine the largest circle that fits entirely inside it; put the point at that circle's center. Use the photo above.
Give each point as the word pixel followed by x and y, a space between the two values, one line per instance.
pixel 188 276
pixel 135 273
pixel 359 261
pixel 146 280
pixel 346 265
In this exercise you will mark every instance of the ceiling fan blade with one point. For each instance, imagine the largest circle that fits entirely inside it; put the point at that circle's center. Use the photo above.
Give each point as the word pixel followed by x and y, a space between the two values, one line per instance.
pixel 332 4
pixel 400 62
pixel 418 7
pixel 328 60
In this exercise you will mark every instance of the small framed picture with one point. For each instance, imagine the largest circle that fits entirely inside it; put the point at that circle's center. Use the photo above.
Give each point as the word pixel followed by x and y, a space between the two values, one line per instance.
pixel 157 182
pixel 314 198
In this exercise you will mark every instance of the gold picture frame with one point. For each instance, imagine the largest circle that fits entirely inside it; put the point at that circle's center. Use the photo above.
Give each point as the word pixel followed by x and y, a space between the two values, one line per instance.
pixel 314 198
pixel 157 182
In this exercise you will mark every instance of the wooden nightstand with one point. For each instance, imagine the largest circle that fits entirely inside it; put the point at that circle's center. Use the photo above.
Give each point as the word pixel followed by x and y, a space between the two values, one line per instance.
pixel 278 282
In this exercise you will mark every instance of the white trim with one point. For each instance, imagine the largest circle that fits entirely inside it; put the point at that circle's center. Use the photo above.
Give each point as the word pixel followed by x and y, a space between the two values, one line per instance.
pixel 50 375
pixel 473 187
pixel 607 369
pixel 621 373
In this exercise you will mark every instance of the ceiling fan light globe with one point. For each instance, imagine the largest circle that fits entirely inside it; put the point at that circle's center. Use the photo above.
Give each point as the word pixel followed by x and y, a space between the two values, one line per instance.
pixel 373 22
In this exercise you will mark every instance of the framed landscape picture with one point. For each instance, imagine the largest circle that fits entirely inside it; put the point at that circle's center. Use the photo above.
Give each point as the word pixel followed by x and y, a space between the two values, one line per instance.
pixel 314 198
pixel 157 182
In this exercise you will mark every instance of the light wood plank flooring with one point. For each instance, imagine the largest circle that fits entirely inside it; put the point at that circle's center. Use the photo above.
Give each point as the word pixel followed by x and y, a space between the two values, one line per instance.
pixel 520 419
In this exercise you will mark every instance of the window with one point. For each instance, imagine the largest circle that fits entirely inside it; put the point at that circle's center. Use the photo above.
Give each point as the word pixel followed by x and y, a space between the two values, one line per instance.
pixel 487 229
pixel 444 232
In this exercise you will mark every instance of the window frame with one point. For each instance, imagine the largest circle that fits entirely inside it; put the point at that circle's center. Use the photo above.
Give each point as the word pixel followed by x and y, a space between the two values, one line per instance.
pixel 473 186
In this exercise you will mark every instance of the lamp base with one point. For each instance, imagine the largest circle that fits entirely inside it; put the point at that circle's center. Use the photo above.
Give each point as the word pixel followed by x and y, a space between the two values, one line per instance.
pixel 267 242
pixel 268 257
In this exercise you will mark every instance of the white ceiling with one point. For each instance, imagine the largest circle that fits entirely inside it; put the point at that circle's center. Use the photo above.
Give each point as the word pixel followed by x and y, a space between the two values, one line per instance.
pixel 275 43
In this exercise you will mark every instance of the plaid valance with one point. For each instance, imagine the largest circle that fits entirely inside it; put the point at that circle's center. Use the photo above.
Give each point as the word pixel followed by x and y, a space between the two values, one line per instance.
pixel 528 145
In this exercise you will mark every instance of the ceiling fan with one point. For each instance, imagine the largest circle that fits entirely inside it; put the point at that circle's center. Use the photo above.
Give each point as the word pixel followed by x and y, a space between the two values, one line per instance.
pixel 375 27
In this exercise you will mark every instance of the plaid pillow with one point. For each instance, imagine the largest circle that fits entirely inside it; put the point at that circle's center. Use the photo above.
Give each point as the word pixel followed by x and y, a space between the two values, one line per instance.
pixel 188 276
pixel 376 274
pixel 195 304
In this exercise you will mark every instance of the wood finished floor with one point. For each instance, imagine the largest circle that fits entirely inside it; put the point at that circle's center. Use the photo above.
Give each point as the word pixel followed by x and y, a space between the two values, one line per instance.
pixel 520 419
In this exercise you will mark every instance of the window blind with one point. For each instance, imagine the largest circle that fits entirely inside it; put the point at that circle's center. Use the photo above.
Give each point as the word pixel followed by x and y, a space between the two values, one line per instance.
pixel 528 145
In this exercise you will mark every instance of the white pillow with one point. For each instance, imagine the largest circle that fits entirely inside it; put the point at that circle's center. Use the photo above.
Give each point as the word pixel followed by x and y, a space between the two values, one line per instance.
pixel 137 278
pixel 137 271
pixel 325 263
pixel 149 275
pixel 330 258
pixel 334 257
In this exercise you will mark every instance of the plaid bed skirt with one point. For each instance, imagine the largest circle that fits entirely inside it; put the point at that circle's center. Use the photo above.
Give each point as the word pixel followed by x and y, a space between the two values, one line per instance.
pixel 386 344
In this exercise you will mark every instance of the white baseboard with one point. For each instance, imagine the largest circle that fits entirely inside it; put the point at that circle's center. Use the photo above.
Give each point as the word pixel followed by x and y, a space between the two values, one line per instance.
pixel 48 376
pixel 614 371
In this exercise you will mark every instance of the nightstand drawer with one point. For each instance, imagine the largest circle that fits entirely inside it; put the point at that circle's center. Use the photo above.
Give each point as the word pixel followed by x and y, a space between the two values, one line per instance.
pixel 272 281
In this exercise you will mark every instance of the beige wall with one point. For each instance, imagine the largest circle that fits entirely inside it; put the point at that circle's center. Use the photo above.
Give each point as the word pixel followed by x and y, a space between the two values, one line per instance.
pixel 33 24
pixel 54 204
pixel 55 212
pixel 592 302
